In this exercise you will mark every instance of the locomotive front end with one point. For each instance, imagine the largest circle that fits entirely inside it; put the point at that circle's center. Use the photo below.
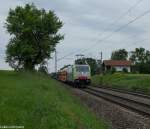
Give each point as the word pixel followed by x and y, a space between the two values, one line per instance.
pixel 82 74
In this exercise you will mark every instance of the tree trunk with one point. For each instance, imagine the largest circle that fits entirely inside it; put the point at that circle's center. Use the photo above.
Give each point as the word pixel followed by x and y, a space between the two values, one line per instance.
pixel 28 66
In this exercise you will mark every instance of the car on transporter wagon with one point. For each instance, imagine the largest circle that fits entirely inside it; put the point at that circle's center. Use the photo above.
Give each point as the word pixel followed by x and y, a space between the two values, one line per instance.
pixel 79 75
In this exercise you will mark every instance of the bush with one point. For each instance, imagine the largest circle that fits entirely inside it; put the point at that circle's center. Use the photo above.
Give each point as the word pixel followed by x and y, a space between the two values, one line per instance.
pixel 113 70
pixel 125 70
pixel 143 68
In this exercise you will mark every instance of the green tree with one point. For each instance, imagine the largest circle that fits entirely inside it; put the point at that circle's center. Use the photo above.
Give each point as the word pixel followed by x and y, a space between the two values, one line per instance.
pixel 140 55
pixel 34 35
pixel 92 62
pixel 141 59
pixel 120 54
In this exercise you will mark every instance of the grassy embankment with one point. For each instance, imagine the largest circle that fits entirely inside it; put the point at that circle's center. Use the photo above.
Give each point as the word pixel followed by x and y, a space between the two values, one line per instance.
pixel 38 102
pixel 132 82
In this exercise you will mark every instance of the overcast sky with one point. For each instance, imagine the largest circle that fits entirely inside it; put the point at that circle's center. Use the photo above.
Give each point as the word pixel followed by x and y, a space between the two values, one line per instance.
pixel 88 22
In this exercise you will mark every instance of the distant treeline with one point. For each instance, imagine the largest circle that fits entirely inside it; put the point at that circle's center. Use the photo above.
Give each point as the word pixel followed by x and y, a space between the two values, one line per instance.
pixel 140 58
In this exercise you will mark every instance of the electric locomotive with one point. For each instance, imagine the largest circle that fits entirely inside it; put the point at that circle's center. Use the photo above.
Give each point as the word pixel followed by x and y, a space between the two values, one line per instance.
pixel 77 74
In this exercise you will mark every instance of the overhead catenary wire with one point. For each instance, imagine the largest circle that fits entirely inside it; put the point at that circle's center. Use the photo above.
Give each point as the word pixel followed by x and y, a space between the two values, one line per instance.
pixel 115 21
pixel 122 15
pixel 111 34
pixel 120 28
pixel 138 41
pixel 71 53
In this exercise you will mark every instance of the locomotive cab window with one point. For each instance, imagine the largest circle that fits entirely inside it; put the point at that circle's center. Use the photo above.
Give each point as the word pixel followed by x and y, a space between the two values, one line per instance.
pixel 82 68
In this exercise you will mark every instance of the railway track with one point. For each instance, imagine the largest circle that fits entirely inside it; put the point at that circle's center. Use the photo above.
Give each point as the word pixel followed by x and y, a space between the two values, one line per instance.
pixel 136 102
pixel 127 92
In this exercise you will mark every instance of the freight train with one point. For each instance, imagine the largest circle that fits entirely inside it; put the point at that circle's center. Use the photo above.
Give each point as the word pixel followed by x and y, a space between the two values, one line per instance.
pixel 78 75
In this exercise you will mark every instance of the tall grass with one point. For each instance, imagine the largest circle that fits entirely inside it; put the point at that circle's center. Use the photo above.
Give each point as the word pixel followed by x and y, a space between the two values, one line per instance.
pixel 133 82
pixel 37 102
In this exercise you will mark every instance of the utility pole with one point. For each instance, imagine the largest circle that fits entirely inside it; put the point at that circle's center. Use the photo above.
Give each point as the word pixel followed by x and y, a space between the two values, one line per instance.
pixel 101 57
pixel 101 62
pixel 55 61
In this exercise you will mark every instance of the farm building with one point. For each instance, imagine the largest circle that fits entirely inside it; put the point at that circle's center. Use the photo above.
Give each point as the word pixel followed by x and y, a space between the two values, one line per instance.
pixel 119 65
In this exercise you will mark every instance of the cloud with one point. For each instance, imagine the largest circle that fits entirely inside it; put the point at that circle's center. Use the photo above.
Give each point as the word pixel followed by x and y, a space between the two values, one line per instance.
pixel 86 22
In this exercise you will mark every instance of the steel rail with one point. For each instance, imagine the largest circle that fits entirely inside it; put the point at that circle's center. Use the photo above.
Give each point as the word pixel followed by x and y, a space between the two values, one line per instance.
pixel 123 91
pixel 136 106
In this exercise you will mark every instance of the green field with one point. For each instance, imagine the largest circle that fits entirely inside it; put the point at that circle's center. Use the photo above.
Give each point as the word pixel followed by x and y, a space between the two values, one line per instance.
pixel 132 82
pixel 37 102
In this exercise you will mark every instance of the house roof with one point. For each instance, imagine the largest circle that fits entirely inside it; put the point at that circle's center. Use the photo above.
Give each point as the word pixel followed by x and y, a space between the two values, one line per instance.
pixel 117 62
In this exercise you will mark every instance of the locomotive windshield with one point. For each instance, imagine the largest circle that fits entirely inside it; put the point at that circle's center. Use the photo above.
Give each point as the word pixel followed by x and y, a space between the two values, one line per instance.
pixel 82 68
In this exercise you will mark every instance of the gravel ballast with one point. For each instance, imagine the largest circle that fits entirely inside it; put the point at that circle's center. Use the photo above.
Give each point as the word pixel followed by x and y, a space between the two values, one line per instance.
pixel 117 116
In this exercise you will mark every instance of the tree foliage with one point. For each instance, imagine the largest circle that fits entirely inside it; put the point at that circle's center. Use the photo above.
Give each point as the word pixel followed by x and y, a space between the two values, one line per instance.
pixel 140 55
pixel 120 54
pixel 141 60
pixel 34 35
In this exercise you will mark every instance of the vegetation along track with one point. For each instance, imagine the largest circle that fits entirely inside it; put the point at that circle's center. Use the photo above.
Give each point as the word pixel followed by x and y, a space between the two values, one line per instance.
pixel 136 102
